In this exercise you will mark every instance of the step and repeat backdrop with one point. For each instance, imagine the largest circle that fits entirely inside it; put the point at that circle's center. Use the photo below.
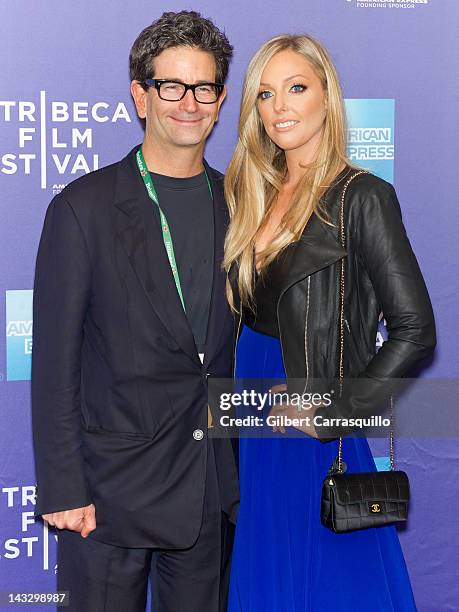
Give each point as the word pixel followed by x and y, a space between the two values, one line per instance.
pixel 65 110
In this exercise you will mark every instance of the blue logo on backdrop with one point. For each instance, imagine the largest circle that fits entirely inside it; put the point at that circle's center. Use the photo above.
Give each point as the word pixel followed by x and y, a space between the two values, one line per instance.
pixel 382 464
pixel 371 135
pixel 18 334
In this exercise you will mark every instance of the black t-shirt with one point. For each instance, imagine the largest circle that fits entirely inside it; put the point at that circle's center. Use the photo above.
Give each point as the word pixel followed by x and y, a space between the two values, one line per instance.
pixel 187 204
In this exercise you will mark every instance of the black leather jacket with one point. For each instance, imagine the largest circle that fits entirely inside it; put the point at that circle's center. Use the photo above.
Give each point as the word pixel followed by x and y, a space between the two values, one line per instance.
pixel 381 275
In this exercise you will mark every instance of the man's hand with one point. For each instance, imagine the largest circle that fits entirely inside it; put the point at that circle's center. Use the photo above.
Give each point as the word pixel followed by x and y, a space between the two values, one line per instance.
pixel 291 412
pixel 78 519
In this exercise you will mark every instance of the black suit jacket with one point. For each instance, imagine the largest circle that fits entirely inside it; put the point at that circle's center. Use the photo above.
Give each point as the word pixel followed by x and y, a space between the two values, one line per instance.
pixel 118 391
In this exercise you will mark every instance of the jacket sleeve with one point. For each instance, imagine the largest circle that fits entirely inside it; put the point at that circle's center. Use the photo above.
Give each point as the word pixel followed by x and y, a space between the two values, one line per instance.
pixel 383 247
pixel 61 297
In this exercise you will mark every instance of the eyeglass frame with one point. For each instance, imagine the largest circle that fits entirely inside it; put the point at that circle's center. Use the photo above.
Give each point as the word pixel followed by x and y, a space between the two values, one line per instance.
pixel 156 83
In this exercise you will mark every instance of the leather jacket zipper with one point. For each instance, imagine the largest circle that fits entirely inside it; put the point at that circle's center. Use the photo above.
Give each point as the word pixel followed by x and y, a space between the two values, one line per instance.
pixel 306 335
pixel 236 341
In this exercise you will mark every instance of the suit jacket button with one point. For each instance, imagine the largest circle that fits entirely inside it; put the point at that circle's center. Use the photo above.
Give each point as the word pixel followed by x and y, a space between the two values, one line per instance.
pixel 198 434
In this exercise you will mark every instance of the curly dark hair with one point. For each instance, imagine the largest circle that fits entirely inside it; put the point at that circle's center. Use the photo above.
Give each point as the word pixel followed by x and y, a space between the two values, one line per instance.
pixel 185 28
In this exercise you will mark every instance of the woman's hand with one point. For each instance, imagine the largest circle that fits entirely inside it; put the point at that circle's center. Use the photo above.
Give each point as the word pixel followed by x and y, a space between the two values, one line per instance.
pixel 287 410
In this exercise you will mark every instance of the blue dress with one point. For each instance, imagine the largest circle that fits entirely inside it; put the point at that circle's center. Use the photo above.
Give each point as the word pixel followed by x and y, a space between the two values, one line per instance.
pixel 284 560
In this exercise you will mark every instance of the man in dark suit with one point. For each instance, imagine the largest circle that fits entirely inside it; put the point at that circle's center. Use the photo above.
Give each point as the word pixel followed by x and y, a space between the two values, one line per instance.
pixel 130 320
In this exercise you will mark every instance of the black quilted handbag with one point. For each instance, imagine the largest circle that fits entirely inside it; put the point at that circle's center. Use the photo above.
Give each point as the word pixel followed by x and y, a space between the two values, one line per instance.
pixel 362 500
pixel 365 499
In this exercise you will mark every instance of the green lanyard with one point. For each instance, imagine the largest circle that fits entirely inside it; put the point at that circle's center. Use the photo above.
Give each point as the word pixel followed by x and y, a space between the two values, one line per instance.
pixel 167 237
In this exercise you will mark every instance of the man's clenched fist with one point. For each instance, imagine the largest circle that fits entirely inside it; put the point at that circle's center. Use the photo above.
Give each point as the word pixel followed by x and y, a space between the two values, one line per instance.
pixel 78 519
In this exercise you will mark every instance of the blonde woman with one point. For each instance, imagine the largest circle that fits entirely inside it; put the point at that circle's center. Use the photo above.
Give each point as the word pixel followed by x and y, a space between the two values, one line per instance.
pixel 283 257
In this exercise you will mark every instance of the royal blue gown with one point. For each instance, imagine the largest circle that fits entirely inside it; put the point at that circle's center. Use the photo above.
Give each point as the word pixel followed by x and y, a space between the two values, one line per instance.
pixel 284 560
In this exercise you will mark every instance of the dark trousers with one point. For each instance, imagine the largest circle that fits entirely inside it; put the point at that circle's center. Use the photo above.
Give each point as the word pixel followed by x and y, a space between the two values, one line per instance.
pixel 101 577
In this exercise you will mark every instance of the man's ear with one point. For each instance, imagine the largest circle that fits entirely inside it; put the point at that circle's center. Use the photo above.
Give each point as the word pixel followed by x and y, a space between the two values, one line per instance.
pixel 220 101
pixel 140 98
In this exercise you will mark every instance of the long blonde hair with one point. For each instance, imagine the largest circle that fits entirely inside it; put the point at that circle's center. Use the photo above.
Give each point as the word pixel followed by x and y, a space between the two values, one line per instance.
pixel 258 167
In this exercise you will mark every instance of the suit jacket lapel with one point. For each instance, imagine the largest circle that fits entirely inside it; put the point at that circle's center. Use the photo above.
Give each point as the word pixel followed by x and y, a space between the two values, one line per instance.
pixel 218 304
pixel 138 227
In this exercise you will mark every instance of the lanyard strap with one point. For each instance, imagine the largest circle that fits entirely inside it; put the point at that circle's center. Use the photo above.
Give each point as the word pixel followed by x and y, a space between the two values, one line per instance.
pixel 167 236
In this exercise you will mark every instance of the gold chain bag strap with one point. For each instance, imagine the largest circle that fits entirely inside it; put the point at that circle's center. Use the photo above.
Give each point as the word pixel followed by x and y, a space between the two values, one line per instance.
pixel 363 499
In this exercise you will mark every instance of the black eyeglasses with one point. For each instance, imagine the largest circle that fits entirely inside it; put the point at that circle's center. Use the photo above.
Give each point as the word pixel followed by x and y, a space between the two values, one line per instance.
pixel 173 91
